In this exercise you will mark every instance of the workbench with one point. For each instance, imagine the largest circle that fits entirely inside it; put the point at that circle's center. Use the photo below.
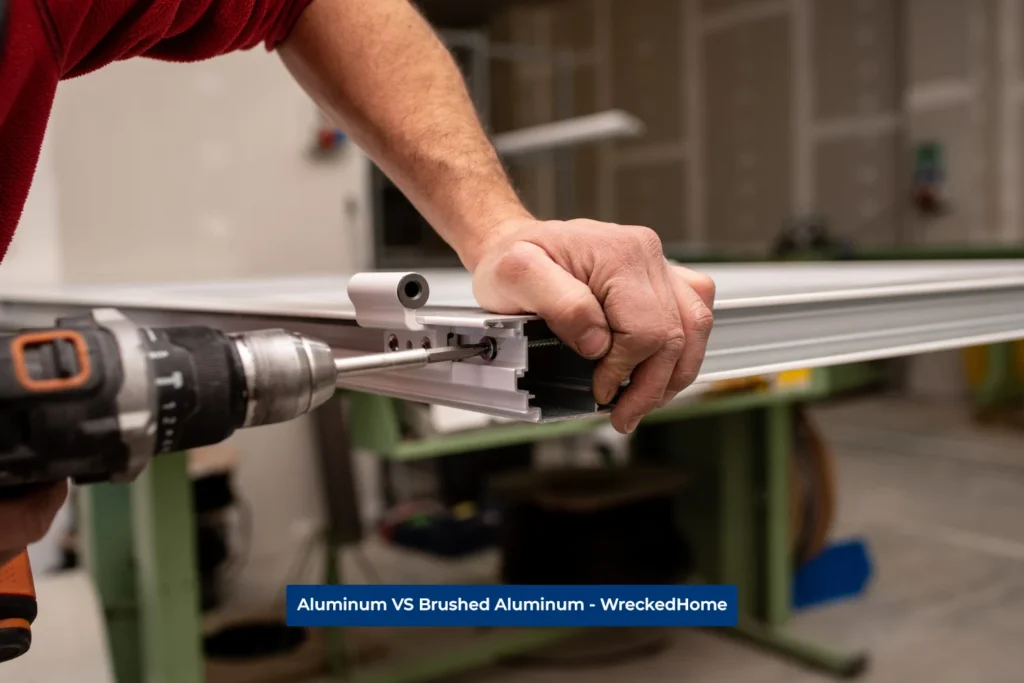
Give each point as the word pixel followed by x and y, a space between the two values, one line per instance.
pixel 772 321
pixel 739 527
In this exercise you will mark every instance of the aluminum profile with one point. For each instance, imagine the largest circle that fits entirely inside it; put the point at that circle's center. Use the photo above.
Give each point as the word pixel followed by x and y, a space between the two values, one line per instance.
pixel 769 318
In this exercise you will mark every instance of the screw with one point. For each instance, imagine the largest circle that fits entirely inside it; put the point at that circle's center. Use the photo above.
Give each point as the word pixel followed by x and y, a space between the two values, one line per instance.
pixel 491 352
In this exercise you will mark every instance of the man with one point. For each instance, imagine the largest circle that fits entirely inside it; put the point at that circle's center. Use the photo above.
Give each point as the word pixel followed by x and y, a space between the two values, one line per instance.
pixel 379 70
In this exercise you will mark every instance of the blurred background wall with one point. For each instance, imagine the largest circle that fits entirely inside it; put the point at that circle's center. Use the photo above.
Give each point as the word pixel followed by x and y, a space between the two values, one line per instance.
pixel 762 110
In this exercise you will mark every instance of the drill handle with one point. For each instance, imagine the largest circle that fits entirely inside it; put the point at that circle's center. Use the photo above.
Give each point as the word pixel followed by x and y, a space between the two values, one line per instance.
pixel 18 606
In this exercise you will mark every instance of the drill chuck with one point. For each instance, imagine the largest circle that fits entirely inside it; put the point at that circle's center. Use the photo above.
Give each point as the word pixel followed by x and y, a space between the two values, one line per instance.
pixel 286 375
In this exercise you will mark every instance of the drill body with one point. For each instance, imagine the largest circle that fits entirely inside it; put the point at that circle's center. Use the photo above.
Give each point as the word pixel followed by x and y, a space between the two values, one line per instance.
pixel 94 398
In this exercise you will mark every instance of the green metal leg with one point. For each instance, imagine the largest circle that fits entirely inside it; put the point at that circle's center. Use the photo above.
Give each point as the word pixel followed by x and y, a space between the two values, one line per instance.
pixel 764 576
pixel 1000 386
pixel 338 655
pixel 168 587
pixel 807 653
pixel 737 538
pixel 778 555
pixel 107 522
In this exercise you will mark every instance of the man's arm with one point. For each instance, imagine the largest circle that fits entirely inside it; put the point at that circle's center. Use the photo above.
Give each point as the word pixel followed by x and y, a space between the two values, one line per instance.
pixel 378 68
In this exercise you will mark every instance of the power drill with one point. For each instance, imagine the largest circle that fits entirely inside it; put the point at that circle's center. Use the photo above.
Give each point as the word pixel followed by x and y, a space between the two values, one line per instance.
pixel 94 398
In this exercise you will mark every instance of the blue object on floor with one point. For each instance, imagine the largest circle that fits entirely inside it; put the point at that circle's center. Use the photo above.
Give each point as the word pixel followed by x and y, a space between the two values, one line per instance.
pixel 840 572
pixel 446 536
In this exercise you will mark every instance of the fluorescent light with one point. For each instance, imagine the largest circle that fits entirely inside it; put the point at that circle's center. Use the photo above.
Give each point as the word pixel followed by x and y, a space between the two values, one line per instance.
pixel 583 130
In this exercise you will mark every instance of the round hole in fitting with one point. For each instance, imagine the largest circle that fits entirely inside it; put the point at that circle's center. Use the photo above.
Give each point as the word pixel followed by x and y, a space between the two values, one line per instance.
pixel 413 290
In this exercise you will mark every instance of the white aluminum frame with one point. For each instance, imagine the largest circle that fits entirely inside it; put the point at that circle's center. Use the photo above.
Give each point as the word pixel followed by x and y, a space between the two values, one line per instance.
pixel 769 318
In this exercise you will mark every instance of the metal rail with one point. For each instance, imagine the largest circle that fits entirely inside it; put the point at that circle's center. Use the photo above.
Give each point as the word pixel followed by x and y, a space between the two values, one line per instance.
pixel 769 318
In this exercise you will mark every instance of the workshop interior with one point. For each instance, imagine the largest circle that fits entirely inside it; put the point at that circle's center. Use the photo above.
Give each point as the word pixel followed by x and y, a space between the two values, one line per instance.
pixel 849 172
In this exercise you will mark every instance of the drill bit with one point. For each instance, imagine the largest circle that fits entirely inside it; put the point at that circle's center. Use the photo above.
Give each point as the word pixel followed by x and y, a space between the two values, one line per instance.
pixel 407 360
pixel 418 358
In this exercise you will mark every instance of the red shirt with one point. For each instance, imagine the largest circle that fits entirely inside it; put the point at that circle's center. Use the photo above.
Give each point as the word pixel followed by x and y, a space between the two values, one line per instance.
pixel 49 40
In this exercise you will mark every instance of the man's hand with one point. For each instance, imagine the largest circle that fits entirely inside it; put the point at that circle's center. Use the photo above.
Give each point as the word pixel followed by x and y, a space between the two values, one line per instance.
pixel 608 291
pixel 26 519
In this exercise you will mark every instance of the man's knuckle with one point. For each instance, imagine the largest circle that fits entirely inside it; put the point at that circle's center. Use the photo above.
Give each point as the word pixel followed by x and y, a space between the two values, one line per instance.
pixel 649 398
pixel 684 378
pixel 668 336
pixel 574 307
pixel 702 319
pixel 650 338
pixel 515 265
pixel 589 224
pixel 650 242
pixel 674 343
pixel 707 283
pixel 704 285
pixel 621 360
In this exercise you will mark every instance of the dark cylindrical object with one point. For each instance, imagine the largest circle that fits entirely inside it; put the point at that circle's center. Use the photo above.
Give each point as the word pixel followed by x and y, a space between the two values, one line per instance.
pixel 598 527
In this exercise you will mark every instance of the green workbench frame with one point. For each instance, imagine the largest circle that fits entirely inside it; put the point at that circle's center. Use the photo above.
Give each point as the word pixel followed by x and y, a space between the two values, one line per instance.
pixel 141 551
pixel 141 538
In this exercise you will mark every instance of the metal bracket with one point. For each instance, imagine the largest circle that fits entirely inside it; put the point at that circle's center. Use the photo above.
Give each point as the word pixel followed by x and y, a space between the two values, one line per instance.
pixel 388 300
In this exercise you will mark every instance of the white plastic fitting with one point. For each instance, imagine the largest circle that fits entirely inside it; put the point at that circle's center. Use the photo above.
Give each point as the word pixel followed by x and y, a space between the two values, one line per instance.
pixel 388 300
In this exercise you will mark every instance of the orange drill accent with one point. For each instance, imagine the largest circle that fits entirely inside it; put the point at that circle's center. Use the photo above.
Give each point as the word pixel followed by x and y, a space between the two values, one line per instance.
pixel 15 623
pixel 16 578
pixel 18 601
pixel 21 373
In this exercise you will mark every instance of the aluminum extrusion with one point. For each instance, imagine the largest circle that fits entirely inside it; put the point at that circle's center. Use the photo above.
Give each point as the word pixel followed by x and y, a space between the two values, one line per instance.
pixel 769 318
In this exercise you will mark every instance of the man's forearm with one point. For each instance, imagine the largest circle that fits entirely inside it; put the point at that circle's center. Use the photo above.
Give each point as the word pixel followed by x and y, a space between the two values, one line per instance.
pixel 378 68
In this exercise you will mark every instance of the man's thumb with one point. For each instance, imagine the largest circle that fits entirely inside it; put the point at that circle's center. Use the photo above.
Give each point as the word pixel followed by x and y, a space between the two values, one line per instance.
pixel 525 280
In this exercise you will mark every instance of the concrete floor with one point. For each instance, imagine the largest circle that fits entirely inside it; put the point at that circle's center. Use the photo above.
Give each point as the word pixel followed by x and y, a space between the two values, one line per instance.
pixel 942 506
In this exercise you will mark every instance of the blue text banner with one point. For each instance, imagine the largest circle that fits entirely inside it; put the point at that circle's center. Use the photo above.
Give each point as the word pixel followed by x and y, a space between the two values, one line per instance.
pixel 513 606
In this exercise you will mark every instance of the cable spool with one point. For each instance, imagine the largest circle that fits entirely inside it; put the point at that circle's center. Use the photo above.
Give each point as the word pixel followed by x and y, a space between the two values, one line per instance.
pixel 813 486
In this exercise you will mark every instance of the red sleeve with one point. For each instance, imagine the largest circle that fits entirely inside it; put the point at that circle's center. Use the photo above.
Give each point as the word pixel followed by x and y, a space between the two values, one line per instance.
pixel 28 80
pixel 94 33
